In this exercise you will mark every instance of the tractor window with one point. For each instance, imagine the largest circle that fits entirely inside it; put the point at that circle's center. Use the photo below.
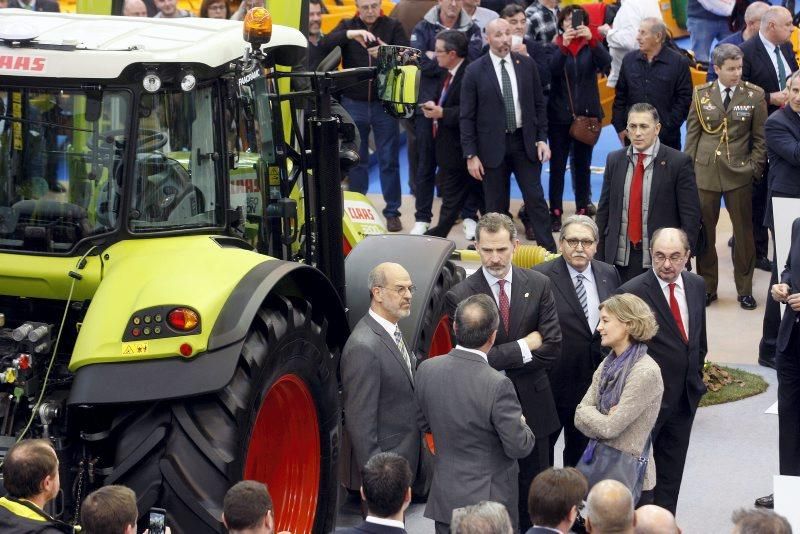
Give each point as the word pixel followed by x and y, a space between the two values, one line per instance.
pixel 61 166
pixel 177 163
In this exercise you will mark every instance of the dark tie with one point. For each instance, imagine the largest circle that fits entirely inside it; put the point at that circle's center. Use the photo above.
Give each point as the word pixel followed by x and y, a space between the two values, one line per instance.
pixel 635 201
pixel 401 345
pixel 781 69
pixel 676 312
pixel 580 290
pixel 504 305
pixel 727 101
pixel 442 96
pixel 508 98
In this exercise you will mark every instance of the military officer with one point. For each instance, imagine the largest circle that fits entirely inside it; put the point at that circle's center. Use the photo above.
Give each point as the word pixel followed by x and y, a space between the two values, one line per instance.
pixel 725 137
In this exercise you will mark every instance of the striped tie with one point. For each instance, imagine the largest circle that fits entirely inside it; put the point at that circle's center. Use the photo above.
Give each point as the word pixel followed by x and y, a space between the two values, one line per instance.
pixel 398 338
pixel 581 291
pixel 508 98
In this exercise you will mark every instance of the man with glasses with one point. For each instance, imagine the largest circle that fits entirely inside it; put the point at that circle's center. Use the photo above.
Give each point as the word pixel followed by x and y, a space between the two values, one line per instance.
pixel 646 186
pixel 377 371
pixel 580 284
pixel 677 298
pixel 360 38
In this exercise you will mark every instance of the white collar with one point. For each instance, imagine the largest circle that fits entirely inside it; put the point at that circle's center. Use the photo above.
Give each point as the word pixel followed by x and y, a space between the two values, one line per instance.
pixel 664 285
pixel 387 325
pixel 474 351
pixel 492 279
pixel 386 522
pixel 454 70
pixel 587 273
pixel 496 59
pixel 723 87
pixel 769 45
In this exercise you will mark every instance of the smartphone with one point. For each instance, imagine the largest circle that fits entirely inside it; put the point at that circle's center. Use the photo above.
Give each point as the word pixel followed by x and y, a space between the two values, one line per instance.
pixel 157 523
pixel 577 19
pixel 373 44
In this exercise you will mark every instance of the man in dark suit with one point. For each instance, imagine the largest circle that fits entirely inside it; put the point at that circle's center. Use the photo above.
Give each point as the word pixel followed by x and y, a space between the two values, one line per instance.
pixel 386 490
pixel 768 61
pixel 455 182
pixel 504 128
pixel 50 6
pixel 580 284
pixel 475 417
pixel 646 178
pixel 658 75
pixel 528 341
pixel 377 372
pixel 677 298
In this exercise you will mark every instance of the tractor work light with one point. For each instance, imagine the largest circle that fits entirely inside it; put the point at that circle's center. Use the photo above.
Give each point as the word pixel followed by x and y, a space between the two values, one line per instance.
pixel 188 81
pixel 257 27
pixel 183 319
pixel 151 82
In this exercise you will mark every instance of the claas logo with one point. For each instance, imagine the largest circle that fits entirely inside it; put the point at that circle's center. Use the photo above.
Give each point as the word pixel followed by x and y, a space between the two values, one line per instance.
pixel 22 63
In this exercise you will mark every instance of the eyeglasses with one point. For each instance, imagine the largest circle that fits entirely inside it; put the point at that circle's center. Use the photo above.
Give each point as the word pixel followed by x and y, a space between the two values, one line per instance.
pixel 674 259
pixel 585 243
pixel 401 290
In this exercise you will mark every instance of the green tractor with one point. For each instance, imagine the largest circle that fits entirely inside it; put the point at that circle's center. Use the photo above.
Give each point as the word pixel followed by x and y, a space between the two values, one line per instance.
pixel 173 290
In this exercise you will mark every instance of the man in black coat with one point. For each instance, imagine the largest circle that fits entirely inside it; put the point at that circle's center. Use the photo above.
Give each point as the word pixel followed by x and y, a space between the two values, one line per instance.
pixel 529 338
pixel 658 75
pixel 504 128
pixel 677 298
pixel 50 6
pixel 386 490
pixel 578 315
pixel 455 182
pixel 665 191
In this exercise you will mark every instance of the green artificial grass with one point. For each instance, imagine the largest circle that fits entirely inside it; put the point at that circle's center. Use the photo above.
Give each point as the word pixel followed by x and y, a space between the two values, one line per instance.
pixel 727 384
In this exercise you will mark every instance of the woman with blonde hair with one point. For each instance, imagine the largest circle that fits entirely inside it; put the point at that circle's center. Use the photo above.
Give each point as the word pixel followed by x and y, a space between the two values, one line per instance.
pixel 621 406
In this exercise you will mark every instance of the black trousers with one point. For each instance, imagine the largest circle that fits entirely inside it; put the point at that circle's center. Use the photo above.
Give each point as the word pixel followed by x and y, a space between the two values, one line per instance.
pixel 496 188
pixel 560 145
pixel 670 443
pixel 574 440
pixel 788 366
pixel 536 462
pixel 635 265
pixel 759 203
pixel 425 178
pixel 456 184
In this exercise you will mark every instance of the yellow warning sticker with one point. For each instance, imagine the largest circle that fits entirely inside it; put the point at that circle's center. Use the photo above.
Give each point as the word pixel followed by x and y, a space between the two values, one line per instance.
pixel 132 349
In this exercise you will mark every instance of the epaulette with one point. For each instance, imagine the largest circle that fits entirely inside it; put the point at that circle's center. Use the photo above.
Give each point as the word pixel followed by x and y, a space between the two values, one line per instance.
pixel 704 85
pixel 753 86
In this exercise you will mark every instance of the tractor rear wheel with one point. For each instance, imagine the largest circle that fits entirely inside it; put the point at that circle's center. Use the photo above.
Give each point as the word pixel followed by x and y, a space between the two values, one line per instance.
pixel 435 339
pixel 277 421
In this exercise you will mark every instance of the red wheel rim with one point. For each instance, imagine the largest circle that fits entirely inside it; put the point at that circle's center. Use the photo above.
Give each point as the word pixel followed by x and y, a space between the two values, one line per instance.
pixel 442 343
pixel 284 453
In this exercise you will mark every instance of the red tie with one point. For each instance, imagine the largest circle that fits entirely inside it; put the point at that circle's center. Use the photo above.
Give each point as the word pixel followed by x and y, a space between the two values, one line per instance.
pixel 635 202
pixel 676 312
pixel 443 94
pixel 504 305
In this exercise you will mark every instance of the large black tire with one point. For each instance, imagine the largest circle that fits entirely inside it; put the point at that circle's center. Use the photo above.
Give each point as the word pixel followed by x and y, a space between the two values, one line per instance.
pixel 449 276
pixel 184 455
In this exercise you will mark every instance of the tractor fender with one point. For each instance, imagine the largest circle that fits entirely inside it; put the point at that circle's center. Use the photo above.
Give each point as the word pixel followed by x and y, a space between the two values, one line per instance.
pixel 212 370
pixel 422 256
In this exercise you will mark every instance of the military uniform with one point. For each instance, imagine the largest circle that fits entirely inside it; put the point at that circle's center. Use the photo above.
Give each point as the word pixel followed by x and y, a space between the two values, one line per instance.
pixel 729 153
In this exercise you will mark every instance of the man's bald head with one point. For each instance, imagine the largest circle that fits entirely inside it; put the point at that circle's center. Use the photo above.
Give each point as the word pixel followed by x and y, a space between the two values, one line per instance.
pixel 755 11
pixel 134 8
pixel 652 519
pixel 776 25
pixel 610 506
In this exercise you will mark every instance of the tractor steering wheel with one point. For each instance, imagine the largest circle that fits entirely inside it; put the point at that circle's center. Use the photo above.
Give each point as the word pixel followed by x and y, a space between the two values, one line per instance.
pixel 149 140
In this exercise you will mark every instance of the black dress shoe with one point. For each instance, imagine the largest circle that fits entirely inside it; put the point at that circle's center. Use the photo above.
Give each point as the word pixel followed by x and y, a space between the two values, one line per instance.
pixel 730 242
pixel 764 264
pixel 747 302
pixel 766 502
pixel 530 235
pixel 591 210
pixel 710 297
pixel 766 362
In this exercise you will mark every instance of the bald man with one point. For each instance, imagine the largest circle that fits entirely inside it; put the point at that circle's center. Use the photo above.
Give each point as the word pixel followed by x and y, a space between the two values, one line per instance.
pixel 134 8
pixel 652 519
pixel 610 509
pixel 377 370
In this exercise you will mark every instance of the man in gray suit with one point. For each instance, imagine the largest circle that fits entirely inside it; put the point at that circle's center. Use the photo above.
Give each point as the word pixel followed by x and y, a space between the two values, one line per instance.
pixel 377 370
pixel 475 417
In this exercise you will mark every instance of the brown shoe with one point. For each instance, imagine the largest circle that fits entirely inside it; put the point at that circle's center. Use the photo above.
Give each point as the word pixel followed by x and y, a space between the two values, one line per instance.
pixel 393 224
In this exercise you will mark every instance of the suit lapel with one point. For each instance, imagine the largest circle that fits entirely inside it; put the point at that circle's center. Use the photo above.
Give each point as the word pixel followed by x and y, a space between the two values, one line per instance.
pixel 659 168
pixel 519 299
pixel 391 345
pixel 662 307
pixel 455 84
pixel 488 66
pixel 563 283
pixel 604 289
pixel 522 87
pixel 691 307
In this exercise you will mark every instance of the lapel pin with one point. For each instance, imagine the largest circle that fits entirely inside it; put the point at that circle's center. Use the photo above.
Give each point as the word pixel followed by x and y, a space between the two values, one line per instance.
pixel 526 295
pixel 663 162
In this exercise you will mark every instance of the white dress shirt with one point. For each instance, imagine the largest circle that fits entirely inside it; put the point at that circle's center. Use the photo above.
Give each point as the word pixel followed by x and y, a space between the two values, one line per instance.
pixel 680 296
pixel 494 285
pixel 513 77
pixel 722 90
pixel 387 325
pixel 771 53
pixel 592 296
pixel 385 522
pixel 474 351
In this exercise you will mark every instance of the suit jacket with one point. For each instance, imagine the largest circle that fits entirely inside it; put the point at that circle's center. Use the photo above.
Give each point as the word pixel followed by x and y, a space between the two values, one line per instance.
pixel 581 352
pixel 50 6
pixel 448 136
pixel 532 308
pixel 757 66
pixel 681 364
pixel 791 276
pixel 719 165
pixel 782 131
pixel 370 528
pixel 674 201
pixel 483 124
pixel 474 416
pixel 380 413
